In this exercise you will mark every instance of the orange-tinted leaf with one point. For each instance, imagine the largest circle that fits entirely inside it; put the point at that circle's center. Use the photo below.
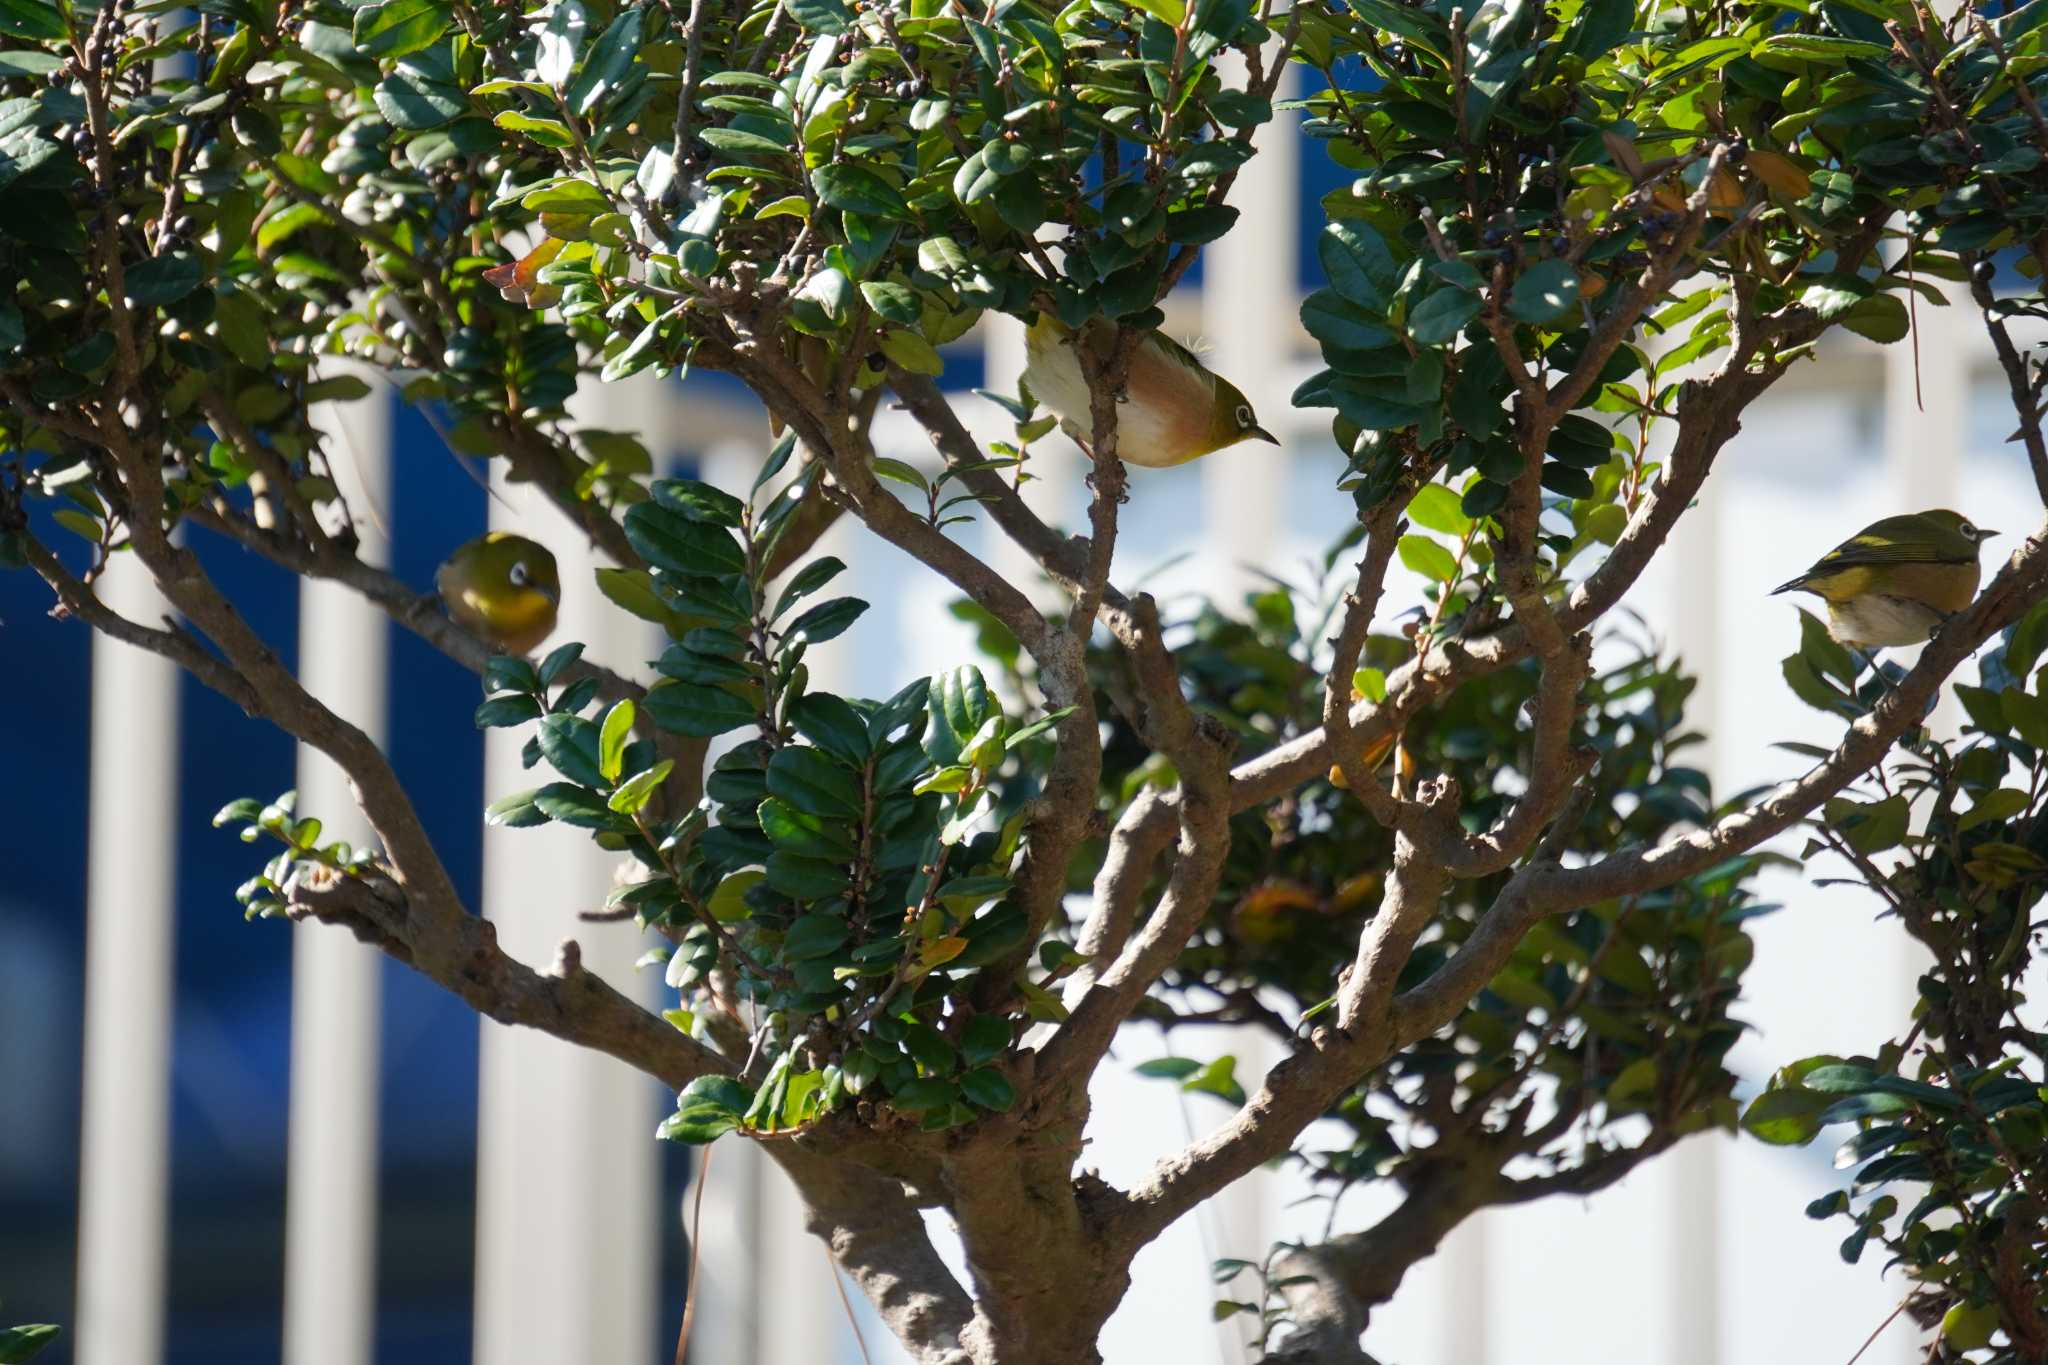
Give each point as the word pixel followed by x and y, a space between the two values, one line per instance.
pixel 1780 173
pixel 518 280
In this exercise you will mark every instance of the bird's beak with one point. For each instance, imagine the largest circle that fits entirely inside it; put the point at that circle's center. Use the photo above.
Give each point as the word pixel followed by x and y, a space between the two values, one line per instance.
pixel 554 595
pixel 1986 535
pixel 1261 434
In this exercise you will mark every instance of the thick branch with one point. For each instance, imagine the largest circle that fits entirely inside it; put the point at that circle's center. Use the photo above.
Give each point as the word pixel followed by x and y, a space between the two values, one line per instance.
pixel 180 648
pixel 1204 817
pixel 874 1231
pixel 1545 888
pixel 567 1001
pixel 1383 530
pixel 1063 557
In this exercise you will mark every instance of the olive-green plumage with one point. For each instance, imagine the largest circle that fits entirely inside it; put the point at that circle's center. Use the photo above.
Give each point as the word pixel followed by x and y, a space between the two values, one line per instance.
pixel 504 587
pixel 1896 580
pixel 1177 409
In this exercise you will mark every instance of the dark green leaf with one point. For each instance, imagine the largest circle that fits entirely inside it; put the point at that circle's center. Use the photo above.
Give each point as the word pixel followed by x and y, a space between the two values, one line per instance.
pixel 571 745
pixel 928 1048
pixel 1545 292
pixel 695 710
pixel 699 502
pixel 806 879
pixel 1440 317
pixel 1168 1068
pixel 413 100
pixel 516 811
pixel 988 1088
pixel 815 936
pixel 827 620
pixel 821 16
pixel 608 62
pixel 36 20
pixel 856 189
pixel 834 726
pixel 510 673
pixel 814 783
pixel 573 805
pixel 504 711
pixel 986 1037
pixel 929 1093
pixel 1360 267
pixel 677 543
pixel 894 302
pixel 557 661
pixel 163 279
pixel 1335 321
pixel 806 581
pixel 708 1108
pixel 18 1345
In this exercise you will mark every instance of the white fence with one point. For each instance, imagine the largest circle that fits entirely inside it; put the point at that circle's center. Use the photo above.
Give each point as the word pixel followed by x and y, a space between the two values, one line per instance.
pixel 1700 1257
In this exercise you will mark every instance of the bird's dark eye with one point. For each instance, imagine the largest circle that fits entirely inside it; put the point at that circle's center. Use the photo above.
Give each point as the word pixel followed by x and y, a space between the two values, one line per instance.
pixel 1970 532
pixel 518 574
pixel 1244 414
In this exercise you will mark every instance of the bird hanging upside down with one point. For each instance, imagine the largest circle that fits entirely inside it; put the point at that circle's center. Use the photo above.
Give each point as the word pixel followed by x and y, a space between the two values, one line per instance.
pixel 1896 580
pixel 1175 408
pixel 504 587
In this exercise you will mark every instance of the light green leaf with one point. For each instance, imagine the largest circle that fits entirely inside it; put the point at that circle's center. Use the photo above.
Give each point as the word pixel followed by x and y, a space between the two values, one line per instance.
pixel 1436 508
pixel 399 27
pixel 1427 558
pixel 612 736
pixel 545 131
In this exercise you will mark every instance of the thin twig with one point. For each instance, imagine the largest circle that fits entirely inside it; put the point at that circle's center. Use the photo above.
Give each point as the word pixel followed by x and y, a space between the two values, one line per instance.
pixel 696 1258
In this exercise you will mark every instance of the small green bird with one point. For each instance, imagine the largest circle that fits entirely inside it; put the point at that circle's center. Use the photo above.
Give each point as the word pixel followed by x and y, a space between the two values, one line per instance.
pixel 504 587
pixel 1896 580
pixel 1176 408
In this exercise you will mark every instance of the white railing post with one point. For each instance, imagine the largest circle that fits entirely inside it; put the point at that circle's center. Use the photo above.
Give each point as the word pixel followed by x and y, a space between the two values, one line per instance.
pixel 1250 282
pixel 1690 1174
pixel 567 1171
pixel 1926 416
pixel 131 876
pixel 330 1258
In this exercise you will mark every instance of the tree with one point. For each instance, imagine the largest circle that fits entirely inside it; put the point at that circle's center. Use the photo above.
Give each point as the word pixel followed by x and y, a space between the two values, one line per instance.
pixel 1585 236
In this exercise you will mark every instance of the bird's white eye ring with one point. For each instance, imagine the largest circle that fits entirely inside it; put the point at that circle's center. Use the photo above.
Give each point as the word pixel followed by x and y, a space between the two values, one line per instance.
pixel 518 573
pixel 1244 414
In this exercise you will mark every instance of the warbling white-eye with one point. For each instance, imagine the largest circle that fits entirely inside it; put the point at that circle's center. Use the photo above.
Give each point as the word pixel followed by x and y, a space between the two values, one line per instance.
pixel 1896 580
pixel 504 587
pixel 1176 408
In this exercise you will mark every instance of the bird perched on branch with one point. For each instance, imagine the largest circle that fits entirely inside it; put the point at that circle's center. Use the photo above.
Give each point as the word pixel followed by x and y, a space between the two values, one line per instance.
pixel 504 587
pixel 1175 408
pixel 1896 580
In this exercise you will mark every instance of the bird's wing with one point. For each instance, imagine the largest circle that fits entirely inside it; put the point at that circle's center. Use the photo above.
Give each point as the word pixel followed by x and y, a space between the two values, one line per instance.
pixel 1181 353
pixel 1892 541
pixel 1878 549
